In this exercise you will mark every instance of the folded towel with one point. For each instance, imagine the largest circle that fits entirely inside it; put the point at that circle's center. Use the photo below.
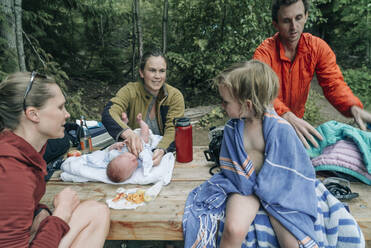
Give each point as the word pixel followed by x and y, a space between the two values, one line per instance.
pixel 343 156
pixel 344 149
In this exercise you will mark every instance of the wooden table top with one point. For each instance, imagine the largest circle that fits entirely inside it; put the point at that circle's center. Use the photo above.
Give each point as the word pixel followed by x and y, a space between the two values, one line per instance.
pixel 161 219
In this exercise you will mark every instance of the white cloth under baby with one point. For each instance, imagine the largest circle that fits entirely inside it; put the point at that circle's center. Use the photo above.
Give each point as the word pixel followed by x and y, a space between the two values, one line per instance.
pixel 76 170
pixel 92 167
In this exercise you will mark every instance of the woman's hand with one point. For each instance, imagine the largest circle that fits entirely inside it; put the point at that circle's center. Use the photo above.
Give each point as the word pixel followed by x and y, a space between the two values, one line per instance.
pixel 116 146
pixel 36 222
pixel 157 156
pixel 132 141
pixel 65 203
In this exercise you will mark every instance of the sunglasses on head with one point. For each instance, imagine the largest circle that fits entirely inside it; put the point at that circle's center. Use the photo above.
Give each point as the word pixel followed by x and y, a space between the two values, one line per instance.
pixel 34 74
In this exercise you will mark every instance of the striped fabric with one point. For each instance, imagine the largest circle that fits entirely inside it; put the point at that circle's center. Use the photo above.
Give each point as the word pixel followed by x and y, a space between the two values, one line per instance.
pixel 286 187
pixel 334 226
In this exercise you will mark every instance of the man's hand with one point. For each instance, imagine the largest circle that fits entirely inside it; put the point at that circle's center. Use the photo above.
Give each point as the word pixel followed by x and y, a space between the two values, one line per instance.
pixel 361 117
pixel 157 156
pixel 303 129
pixel 132 141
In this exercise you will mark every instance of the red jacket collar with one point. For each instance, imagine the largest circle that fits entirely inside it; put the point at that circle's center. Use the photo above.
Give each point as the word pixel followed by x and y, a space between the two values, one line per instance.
pixel 301 49
pixel 12 145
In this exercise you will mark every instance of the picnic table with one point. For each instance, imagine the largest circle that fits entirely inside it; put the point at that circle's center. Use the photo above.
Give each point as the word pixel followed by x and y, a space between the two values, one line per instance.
pixel 161 219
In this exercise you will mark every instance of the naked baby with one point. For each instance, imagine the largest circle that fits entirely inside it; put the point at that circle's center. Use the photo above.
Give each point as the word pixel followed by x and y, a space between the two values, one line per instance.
pixel 122 165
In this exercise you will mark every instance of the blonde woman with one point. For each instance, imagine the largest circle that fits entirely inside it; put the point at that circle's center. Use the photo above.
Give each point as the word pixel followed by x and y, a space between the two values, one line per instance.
pixel 32 110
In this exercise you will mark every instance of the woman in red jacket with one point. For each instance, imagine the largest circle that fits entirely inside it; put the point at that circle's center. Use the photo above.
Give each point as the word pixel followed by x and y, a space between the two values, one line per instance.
pixel 31 112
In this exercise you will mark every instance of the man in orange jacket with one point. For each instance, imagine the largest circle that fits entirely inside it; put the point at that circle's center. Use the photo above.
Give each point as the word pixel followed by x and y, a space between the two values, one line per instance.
pixel 295 57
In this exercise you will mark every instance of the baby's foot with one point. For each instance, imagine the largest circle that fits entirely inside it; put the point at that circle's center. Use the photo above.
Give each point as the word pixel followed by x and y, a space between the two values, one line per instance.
pixel 144 129
pixel 139 118
pixel 124 117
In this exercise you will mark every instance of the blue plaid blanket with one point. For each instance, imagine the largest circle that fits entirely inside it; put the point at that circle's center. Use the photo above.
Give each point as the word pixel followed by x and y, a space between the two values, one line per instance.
pixel 286 187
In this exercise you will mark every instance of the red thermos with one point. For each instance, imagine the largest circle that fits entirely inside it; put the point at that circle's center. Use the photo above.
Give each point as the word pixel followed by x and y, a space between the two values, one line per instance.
pixel 183 140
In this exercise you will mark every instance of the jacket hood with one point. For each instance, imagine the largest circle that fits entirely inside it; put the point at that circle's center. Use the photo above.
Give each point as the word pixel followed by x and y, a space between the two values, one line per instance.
pixel 12 145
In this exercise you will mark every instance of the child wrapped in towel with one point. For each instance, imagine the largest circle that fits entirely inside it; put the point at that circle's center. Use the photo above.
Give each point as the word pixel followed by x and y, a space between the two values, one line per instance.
pixel 266 194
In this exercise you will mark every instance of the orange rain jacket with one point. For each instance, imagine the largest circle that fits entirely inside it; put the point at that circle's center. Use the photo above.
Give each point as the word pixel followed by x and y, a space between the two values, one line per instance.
pixel 313 55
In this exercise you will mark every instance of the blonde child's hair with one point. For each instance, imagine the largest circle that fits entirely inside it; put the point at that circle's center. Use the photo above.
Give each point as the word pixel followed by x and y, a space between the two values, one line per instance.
pixel 252 80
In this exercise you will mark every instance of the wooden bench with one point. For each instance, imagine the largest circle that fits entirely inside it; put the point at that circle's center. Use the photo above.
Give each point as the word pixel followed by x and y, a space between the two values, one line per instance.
pixel 161 219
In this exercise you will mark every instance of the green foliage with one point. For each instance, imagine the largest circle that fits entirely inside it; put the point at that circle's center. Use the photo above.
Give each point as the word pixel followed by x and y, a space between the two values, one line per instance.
pixel 200 53
pixel 7 62
pixel 214 118
pixel 84 39
pixel 359 80
pixel 75 106
pixel 315 14
pixel 348 30
pixel 208 36
pixel 312 114
pixel 214 34
pixel 92 40
pixel 38 59
pixel 87 38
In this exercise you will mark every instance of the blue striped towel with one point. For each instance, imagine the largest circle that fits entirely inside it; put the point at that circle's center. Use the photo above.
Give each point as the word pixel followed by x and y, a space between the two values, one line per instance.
pixel 286 187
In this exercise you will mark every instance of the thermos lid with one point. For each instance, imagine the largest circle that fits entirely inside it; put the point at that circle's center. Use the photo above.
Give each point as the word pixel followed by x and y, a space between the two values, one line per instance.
pixel 182 122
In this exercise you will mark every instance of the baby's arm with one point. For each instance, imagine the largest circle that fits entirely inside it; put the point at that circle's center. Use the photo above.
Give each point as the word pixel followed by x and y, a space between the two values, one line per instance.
pixel 240 213
pixel 116 146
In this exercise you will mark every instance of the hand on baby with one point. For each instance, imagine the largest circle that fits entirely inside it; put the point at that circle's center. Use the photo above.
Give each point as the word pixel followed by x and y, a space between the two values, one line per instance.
pixel 116 146
pixel 132 141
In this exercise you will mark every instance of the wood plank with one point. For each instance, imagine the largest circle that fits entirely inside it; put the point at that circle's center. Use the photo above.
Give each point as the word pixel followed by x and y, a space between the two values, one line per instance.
pixel 161 219
pixel 360 207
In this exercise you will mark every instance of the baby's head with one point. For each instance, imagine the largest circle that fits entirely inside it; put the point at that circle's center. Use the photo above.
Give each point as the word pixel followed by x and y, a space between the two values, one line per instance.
pixel 252 80
pixel 122 167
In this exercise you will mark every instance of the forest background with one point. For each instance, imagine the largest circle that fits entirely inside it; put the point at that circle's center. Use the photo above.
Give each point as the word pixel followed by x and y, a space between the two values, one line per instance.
pixel 92 47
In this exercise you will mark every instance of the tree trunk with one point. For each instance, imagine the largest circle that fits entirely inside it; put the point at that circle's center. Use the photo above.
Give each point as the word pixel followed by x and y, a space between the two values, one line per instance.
pixel 18 32
pixel 223 20
pixel 8 33
pixel 164 26
pixel 368 44
pixel 133 73
pixel 139 28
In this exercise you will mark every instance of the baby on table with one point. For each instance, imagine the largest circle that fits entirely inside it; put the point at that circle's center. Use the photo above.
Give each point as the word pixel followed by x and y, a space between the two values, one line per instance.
pixel 123 163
